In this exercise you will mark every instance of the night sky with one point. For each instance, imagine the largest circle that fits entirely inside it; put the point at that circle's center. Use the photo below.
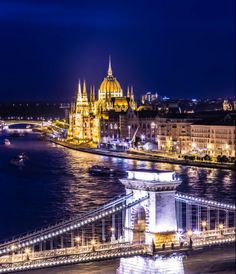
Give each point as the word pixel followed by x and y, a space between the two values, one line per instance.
pixel 176 48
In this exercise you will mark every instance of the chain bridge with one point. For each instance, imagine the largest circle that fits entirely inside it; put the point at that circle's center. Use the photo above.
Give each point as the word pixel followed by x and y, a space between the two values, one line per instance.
pixel 152 218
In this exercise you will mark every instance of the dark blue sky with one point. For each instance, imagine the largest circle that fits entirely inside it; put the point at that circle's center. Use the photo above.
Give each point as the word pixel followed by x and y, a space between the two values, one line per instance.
pixel 181 48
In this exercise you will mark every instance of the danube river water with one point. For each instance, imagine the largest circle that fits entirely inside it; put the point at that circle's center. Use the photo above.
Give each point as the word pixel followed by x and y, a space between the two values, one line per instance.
pixel 55 184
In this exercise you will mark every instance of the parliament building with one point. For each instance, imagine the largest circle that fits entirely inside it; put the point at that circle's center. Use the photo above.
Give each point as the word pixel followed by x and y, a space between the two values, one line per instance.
pixel 100 118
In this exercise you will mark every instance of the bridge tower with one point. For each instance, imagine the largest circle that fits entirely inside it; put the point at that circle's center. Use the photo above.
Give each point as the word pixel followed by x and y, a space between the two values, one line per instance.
pixel 154 219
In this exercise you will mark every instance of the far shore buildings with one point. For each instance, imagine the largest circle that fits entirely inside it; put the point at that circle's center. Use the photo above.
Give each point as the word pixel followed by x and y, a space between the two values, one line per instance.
pixel 112 117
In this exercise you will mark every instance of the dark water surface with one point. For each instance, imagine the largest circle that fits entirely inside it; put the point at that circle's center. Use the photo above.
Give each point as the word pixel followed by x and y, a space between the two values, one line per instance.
pixel 55 183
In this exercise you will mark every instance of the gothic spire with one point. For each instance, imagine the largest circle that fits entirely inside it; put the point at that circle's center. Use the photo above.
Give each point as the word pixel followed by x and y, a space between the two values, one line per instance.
pixel 132 93
pixel 94 96
pixel 128 92
pixel 79 94
pixel 84 95
pixel 109 67
pixel 91 94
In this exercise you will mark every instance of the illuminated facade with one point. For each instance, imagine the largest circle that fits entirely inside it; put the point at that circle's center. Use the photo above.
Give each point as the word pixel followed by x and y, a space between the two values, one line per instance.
pixel 154 218
pixel 88 114
pixel 215 139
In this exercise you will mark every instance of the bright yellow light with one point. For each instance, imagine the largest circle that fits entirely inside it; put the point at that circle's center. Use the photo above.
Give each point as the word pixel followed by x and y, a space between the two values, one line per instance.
pixel 221 226
pixel 112 229
pixel 27 251
pixel 93 242
pixel 77 239
pixel 190 233
pixel 13 247
pixel 209 146
pixel 204 223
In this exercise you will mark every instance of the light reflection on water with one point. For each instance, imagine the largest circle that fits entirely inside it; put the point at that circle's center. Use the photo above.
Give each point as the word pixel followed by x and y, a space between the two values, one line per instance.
pixel 55 183
pixel 146 265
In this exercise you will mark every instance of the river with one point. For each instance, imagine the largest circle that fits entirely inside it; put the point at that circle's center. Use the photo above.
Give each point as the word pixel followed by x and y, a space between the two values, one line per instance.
pixel 55 184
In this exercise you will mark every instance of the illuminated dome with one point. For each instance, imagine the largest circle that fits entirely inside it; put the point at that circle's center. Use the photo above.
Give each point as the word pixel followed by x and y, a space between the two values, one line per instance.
pixel 110 87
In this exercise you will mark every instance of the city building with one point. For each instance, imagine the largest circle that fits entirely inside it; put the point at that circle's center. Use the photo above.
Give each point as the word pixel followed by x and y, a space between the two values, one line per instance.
pixel 173 133
pixel 149 98
pixel 94 120
pixel 214 139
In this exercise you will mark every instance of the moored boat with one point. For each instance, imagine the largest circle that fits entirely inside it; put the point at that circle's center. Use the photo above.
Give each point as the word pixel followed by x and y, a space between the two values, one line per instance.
pixel 106 171
pixel 19 160
pixel 6 142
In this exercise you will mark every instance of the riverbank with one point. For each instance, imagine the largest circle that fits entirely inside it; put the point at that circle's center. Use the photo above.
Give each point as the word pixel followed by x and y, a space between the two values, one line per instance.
pixel 144 157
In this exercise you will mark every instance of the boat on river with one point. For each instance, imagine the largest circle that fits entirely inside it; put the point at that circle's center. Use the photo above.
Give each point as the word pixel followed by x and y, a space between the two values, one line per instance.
pixel 6 142
pixel 106 171
pixel 19 160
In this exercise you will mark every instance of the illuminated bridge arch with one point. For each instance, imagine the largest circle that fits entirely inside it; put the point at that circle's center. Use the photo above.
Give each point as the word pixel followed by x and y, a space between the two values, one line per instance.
pixel 10 123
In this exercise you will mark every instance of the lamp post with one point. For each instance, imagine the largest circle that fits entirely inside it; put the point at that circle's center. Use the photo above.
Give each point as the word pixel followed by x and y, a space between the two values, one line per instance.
pixel 93 242
pixel 27 252
pixel 77 240
pixel 190 234
pixel 204 224
pixel 112 234
pixel 13 248
pixel 221 227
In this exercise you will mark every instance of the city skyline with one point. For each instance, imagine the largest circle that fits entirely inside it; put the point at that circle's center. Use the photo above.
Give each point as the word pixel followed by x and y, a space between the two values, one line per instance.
pixel 46 47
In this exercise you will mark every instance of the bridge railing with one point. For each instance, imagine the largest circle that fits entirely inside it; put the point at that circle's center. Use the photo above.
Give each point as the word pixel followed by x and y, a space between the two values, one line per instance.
pixel 55 253
pixel 65 222
pixel 204 202
pixel 87 218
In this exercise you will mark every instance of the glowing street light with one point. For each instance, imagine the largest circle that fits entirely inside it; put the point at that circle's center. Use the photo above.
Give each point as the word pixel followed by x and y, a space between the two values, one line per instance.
pixel 13 247
pixel 221 227
pixel 27 252
pixel 77 240
pixel 204 224
pixel 93 242
pixel 190 233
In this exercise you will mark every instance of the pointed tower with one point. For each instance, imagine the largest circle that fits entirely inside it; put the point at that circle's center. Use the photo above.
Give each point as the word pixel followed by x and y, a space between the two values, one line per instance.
pixel 79 93
pixel 128 92
pixel 94 95
pixel 109 72
pixel 91 94
pixel 132 93
pixel 132 102
pixel 84 94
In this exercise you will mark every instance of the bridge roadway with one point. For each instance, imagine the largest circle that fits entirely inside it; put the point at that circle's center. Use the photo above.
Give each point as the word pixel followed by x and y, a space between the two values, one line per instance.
pixel 82 254
pixel 68 225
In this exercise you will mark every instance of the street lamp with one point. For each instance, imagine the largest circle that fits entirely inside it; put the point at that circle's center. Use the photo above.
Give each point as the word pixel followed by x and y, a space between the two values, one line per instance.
pixel 27 252
pixel 13 247
pixel 93 242
pixel 77 240
pixel 221 227
pixel 204 224
pixel 112 234
pixel 190 234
